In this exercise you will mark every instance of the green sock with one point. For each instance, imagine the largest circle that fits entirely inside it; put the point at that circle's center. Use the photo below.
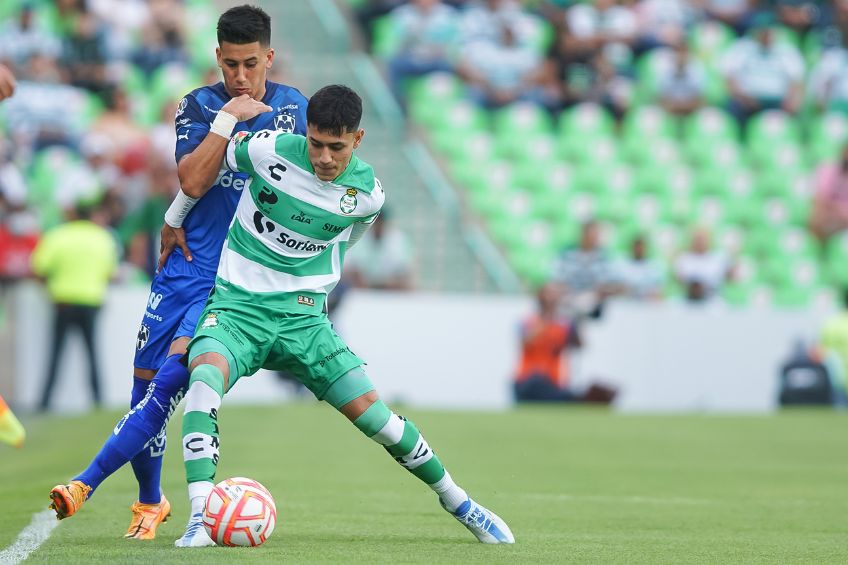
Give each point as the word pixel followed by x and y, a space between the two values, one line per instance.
pixel 200 423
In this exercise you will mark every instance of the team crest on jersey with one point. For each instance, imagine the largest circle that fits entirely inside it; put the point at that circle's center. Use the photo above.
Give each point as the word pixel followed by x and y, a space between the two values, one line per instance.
pixel 284 122
pixel 142 337
pixel 181 108
pixel 347 204
pixel 211 321
pixel 242 136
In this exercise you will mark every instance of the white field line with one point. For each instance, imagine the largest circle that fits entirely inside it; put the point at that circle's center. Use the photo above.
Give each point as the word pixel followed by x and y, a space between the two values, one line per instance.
pixel 671 500
pixel 30 538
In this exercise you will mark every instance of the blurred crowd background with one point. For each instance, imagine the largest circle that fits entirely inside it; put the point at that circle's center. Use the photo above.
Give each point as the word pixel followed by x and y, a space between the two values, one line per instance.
pixel 684 148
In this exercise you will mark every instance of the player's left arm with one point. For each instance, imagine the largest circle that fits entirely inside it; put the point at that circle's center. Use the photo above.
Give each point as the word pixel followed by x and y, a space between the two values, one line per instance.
pixel 359 228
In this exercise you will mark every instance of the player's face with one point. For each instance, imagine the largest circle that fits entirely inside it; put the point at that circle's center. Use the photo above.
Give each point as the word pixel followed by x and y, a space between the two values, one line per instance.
pixel 244 67
pixel 330 154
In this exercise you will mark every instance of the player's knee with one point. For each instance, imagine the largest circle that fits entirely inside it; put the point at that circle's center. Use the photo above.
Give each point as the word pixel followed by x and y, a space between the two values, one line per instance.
pixel 374 419
pixel 210 375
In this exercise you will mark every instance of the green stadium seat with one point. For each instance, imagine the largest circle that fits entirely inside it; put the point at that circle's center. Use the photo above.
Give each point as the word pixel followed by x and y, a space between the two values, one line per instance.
pixel 771 127
pixel 642 128
pixel 385 39
pixel 539 148
pixel 782 154
pixel 428 96
pixel 715 154
pixel 828 134
pixel 584 122
pixel 710 123
pixel 708 40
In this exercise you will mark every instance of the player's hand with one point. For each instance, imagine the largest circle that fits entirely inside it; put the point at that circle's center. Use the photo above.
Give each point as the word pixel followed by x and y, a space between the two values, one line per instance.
pixel 7 82
pixel 244 107
pixel 171 237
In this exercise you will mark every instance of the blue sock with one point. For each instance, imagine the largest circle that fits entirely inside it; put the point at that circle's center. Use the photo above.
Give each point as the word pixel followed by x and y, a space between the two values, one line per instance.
pixel 140 427
pixel 147 464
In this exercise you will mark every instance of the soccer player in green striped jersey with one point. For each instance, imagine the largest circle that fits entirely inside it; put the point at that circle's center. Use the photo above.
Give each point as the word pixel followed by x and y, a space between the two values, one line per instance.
pixel 307 201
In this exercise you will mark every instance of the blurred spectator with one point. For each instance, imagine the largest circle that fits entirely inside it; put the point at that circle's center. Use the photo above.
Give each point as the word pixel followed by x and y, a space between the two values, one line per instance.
pixel 18 225
pixel 23 37
pixel 763 74
pixel 382 259
pixel 482 20
pixel 737 14
pixel 425 31
pixel 77 260
pixel 587 272
pixel 808 377
pixel 798 15
pixel 543 371
pixel 372 10
pixel 44 111
pixel 129 139
pixel 503 71
pixel 829 80
pixel 608 88
pixel 662 23
pixel 701 270
pixel 829 213
pixel 84 54
pixel 682 84
pixel 834 336
pixel 604 26
pixel 640 276
pixel 7 82
pixel 139 230
pixel 833 24
pixel 162 38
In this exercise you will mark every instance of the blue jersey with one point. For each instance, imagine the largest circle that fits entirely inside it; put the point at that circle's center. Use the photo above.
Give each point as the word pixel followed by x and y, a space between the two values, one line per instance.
pixel 207 223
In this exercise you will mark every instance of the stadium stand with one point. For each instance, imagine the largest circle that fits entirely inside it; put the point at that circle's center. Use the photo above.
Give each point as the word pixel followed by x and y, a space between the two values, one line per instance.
pixel 532 175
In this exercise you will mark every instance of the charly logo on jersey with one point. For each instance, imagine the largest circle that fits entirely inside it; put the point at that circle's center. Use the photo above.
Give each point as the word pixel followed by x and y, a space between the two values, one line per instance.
pixel 284 122
pixel 142 337
pixel 347 203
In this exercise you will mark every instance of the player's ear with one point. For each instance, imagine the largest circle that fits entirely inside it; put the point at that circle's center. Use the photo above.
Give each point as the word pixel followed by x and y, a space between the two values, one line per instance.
pixel 218 57
pixel 269 58
pixel 357 139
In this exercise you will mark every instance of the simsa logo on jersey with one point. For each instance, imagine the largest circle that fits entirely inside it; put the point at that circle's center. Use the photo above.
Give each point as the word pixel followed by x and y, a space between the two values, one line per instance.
pixel 228 179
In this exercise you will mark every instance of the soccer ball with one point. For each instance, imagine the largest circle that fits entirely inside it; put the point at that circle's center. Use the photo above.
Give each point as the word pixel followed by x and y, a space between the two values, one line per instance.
pixel 239 512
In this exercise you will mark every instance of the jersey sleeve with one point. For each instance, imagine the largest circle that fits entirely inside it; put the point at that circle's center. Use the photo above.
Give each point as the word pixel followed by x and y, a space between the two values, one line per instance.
pixel 191 125
pixel 247 149
pixel 379 199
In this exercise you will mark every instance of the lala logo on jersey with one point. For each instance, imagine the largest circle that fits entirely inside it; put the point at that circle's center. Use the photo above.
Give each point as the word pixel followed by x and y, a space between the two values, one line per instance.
pixel 284 122
pixel 347 204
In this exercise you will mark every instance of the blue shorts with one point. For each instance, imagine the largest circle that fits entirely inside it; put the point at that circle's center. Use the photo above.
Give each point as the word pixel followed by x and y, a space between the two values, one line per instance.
pixel 177 296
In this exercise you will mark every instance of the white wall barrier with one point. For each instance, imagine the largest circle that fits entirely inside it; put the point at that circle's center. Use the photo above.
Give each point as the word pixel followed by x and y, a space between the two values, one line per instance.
pixel 458 351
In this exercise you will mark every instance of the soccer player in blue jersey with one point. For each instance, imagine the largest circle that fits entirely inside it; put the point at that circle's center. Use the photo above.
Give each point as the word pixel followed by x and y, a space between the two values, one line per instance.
pixel 196 225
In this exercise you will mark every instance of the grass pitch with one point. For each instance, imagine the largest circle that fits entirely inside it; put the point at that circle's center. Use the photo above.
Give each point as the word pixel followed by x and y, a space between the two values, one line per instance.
pixel 575 485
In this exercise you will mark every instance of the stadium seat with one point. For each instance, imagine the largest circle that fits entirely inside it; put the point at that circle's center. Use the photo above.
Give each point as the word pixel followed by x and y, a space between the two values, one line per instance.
pixel 429 95
pixel 828 134
pixel 709 39
pixel 642 129
pixel 584 122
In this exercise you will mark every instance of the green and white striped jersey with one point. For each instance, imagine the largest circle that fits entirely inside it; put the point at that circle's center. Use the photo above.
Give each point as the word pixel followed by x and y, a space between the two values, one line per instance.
pixel 286 245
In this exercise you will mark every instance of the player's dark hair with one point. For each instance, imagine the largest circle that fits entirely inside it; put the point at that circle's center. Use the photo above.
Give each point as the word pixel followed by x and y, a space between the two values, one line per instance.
pixel 335 109
pixel 245 24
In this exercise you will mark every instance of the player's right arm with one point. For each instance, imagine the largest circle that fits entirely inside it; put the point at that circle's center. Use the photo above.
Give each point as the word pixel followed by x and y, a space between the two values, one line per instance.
pixel 199 152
